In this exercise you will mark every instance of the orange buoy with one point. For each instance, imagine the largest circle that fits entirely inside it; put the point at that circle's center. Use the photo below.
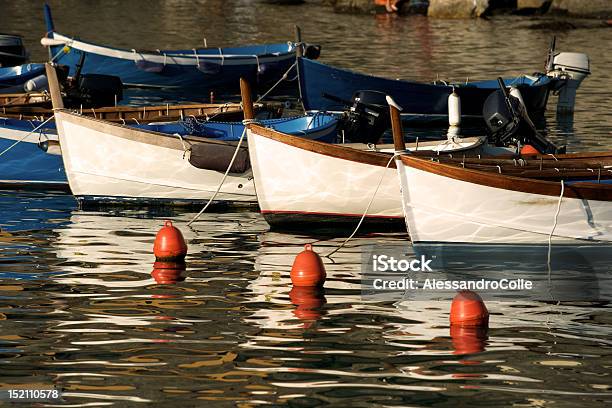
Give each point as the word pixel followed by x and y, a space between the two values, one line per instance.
pixel 529 150
pixel 168 273
pixel 308 300
pixel 308 269
pixel 468 339
pixel 169 244
pixel 388 6
pixel 468 309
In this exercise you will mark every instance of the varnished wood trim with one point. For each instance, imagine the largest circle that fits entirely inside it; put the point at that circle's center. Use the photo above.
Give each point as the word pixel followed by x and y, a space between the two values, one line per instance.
pixel 588 191
pixel 137 135
pixel 326 149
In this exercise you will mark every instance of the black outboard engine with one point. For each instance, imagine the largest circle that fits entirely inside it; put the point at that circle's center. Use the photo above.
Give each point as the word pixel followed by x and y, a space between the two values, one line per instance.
pixel 509 123
pixel 368 117
pixel 312 51
pixel 99 90
pixel 93 90
pixel 12 50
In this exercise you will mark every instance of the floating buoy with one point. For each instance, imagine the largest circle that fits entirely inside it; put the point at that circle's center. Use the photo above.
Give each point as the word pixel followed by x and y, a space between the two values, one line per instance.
pixel 168 273
pixel 308 300
pixel 529 150
pixel 454 109
pixel 169 244
pixel 468 309
pixel 386 6
pixel 308 269
pixel 468 339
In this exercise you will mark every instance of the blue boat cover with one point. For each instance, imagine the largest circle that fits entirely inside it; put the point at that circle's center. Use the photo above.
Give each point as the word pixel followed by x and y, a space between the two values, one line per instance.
pixel 18 75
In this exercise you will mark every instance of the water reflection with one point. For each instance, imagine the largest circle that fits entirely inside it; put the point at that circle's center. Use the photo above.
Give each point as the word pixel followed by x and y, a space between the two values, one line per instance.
pixel 235 330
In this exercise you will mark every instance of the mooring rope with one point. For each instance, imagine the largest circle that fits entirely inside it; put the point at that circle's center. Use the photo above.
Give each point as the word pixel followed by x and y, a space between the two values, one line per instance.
pixel 284 77
pixel 382 177
pixel 245 122
pixel 23 138
pixel 554 227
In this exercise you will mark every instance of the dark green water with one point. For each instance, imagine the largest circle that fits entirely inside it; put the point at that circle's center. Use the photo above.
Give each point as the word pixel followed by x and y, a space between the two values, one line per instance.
pixel 79 308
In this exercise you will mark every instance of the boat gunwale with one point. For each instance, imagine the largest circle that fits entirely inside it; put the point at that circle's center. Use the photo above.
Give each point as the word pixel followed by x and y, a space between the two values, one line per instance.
pixel 346 152
pixel 576 190
pixel 326 149
pixel 150 137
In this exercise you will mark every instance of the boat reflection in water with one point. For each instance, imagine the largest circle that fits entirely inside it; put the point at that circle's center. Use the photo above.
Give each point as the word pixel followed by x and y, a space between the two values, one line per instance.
pixel 574 273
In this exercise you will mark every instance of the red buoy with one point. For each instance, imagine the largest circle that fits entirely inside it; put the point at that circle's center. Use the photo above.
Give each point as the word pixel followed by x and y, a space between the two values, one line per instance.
pixel 169 244
pixel 529 150
pixel 308 269
pixel 168 273
pixel 468 309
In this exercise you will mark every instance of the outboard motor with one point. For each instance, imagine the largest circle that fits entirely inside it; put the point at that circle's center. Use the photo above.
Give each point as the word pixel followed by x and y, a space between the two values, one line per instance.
pixel 312 51
pixel 93 90
pixel 570 67
pixel 509 123
pixel 98 90
pixel 368 117
pixel 12 50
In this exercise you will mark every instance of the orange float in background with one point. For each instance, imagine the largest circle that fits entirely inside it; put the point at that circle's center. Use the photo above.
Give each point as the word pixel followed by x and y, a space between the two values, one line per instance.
pixel 169 244
pixel 308 269
pixel 529 150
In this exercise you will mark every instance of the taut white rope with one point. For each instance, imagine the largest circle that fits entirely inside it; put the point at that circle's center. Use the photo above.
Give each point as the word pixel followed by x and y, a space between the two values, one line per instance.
pixel 23 138
pixel 245 122
pixel 367 208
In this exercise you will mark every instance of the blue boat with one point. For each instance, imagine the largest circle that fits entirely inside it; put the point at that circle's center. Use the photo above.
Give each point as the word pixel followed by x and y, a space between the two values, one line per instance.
pixel 30 163
pixel 190 70
pixel 315 125
pixel 420 101
pixel 16 76
pixel 36 161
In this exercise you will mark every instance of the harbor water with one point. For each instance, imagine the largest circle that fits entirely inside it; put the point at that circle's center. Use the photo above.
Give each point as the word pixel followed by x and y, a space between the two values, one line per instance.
pixel 82 309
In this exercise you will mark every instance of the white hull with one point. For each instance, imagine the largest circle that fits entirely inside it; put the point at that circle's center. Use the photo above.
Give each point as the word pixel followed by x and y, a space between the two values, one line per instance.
pixel 108 161
pixel 290 180
pixel 296 182
pixel 441 209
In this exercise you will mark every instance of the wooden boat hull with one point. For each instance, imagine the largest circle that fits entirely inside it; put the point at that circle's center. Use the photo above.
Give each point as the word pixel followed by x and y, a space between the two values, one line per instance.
pixel 106 162
pixel 419 101
pixel 303 182
pixel 448 204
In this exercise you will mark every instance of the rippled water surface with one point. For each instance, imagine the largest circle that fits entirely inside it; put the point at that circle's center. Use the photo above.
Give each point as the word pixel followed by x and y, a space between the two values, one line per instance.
pixel 82 308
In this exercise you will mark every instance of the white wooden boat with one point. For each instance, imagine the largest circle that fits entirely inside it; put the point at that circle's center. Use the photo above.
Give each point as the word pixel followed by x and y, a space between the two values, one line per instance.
pixel 107 162
pixel 304 181
pixel 568 198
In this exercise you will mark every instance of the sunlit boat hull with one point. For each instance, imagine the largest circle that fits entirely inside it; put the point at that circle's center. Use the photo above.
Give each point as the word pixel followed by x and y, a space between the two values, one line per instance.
pixel 306 183
pixel 105 162
pixel 448 204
